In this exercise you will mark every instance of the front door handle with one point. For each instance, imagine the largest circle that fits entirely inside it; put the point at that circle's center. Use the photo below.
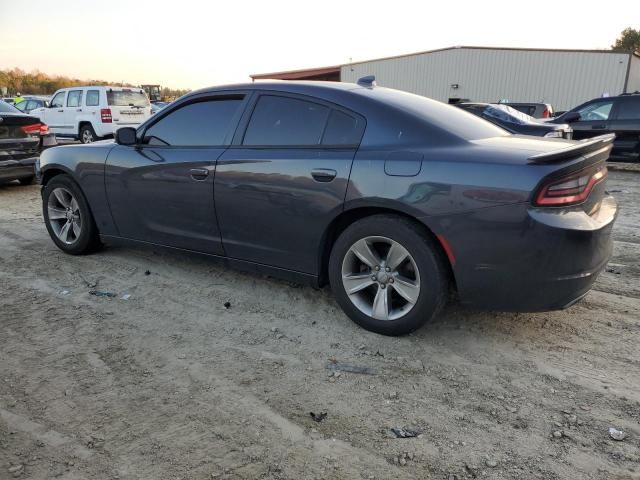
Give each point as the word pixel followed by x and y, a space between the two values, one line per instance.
pixel 60 111
pixel 79 110
pixel 199 173
pixel 599 127
pixel 323 174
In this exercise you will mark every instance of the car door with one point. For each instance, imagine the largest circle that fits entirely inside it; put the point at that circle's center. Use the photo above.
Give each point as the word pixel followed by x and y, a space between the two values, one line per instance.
pixel 625 123
pixel 161 190
pixel 594 119
pixel 284 178
pixel 53 116
pixel 72 110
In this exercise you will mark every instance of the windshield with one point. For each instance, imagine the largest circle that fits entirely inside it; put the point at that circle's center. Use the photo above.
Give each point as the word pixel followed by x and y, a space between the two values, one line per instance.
pixel 508 114
pixel 6 108
pixel 127 98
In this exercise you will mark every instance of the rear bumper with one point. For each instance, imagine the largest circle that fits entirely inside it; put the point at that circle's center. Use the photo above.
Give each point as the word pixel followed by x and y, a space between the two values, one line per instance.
pixel 17 169
pixel 547 260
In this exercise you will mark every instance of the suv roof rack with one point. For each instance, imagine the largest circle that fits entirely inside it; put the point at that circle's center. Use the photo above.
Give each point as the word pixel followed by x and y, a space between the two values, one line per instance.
pixel 637 92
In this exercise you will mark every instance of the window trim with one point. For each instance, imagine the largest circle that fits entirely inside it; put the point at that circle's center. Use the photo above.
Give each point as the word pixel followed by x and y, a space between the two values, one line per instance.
pixel 244 124
pixel 217 96
pixel 69 96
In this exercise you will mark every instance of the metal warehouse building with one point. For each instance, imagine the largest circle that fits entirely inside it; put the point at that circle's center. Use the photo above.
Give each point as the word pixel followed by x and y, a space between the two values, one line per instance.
pixel 563 78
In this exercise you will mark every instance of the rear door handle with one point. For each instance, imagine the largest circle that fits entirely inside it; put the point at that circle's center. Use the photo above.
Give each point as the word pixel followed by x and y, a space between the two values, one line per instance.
pixel 199 173
pixel 60 111
pixel 79 110
pixel 323 174
pixel 599 127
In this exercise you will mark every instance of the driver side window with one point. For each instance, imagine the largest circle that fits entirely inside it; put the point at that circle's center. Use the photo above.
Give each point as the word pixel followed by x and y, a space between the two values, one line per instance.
pixel 598 111
pixel 58 100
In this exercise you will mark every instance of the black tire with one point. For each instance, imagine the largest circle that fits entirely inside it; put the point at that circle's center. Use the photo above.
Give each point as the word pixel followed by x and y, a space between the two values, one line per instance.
pixel 428 258
pixel 88 240
pixel 87 134
pixel 27 180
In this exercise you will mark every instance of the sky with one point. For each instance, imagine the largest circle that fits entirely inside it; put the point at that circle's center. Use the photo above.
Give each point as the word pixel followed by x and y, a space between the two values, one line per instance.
pixel 193 44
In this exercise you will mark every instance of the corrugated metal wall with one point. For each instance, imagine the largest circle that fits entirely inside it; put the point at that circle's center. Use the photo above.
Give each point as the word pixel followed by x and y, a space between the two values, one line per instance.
pixel 564 79
pixel 633 84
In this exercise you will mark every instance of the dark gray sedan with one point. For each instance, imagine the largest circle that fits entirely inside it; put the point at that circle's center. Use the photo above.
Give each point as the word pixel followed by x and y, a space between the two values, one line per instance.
pixel 393 199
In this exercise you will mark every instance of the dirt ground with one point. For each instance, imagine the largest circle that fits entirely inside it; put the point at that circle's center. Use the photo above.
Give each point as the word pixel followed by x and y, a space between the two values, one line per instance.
pixel 170 384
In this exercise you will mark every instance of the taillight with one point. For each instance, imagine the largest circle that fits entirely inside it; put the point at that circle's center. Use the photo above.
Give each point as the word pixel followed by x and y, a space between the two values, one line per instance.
pixel 35 129
pixel 570 190
pixel 105 115
pixel 545 113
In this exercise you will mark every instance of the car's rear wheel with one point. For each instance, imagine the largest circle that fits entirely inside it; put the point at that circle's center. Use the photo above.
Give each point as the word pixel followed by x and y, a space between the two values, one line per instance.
pixel 388 275
pixel 68 218
pixel 87 134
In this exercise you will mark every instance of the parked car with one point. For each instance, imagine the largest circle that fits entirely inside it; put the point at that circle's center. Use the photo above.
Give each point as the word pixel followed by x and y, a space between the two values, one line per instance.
pixel 93 113
pixel 31 103
pixel 157 106
pixel 515 121
pixel 22 137
pixel 535 110
pixel 8 100
pixel 619 115
pixel 391 198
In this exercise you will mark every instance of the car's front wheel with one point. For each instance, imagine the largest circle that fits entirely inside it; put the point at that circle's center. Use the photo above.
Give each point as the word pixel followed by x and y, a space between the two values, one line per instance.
pixel 388 275
pixel 67 216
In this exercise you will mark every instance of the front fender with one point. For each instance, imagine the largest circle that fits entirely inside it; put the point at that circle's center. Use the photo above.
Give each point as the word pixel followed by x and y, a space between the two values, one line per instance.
pixel 85 164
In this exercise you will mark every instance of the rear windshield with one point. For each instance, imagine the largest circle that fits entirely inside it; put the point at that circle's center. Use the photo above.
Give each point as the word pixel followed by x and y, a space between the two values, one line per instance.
pixel 5 107
pixel 451 119
pixel 127 98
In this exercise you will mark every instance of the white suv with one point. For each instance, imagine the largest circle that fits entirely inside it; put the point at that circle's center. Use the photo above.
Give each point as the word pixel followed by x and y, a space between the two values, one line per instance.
pixel 91 113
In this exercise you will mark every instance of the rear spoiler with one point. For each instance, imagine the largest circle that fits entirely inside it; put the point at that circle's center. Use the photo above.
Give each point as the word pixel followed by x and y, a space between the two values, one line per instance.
pixel 591 147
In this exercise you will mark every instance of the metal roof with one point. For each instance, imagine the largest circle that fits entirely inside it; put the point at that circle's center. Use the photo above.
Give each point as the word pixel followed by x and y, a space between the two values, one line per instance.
pixel 303 73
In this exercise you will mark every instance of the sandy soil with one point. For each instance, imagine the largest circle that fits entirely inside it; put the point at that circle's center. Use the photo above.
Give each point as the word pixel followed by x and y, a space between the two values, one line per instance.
pixel 170 384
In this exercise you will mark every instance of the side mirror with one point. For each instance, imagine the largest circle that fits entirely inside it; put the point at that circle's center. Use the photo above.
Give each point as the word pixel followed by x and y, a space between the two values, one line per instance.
pixel 126 136
pixel 571 117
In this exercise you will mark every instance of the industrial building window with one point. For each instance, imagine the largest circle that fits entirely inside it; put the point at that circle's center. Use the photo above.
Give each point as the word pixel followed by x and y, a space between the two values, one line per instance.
pixel 196 124
pixel 285 121
pixel 342 129
pixel 629 108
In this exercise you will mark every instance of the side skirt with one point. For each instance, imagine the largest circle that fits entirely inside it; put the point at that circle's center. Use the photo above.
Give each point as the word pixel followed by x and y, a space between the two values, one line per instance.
pixel 236 264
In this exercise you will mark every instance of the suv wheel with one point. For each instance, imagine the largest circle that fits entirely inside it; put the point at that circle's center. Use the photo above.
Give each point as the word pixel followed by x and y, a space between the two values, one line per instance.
pixel 87 134
pixel 387 275
pixel 67 217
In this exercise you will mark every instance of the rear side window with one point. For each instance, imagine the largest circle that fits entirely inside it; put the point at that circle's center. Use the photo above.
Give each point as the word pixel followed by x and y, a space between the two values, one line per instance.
pixel 74 98
pixel 58 100
pixel 127 98
pixel 342 129
pixel 629 108
pixel 285 121
pixel 93 98
pixel 197 124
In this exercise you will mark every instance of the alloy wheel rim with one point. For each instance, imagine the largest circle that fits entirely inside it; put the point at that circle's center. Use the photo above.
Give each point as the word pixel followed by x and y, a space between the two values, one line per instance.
pixel 381 278
pixel 87 137
pixel 64 215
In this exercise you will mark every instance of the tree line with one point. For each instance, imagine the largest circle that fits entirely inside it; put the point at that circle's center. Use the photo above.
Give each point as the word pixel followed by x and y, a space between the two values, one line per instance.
pixel 38 83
